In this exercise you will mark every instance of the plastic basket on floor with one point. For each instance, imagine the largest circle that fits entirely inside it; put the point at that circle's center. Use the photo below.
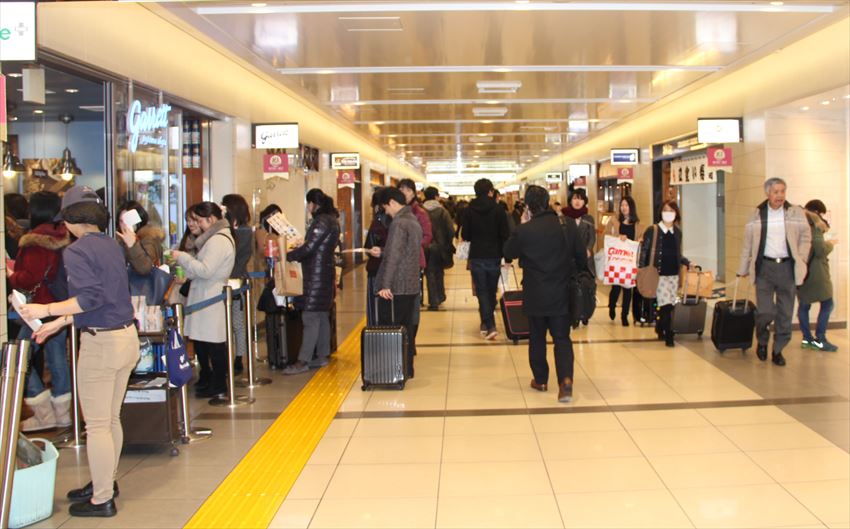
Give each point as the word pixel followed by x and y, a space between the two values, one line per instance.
pixel 32 490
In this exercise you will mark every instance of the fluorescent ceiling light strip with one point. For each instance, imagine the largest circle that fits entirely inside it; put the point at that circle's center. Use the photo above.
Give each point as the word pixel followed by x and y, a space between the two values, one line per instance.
pixel 489 101
pixel 576 68
pixel 449 121
pixel 470 134
pixel 422 7
pixel 480 145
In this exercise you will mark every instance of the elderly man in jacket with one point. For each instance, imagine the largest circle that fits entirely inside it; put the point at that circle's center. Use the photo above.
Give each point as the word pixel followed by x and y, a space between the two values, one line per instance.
pixel 397 282
pixel 550 253
pixel 777 241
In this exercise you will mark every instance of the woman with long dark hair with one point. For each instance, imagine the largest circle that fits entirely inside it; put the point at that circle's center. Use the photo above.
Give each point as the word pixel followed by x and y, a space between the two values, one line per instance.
pixel 209 271
pixel 38 264
pixel 316 256
pixel 625 226
pixel 667 260
pixel 238 215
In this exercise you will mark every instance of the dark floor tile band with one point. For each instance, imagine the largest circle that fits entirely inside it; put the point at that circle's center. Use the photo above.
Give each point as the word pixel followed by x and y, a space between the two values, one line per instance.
pixel 493 344
pixel 589 409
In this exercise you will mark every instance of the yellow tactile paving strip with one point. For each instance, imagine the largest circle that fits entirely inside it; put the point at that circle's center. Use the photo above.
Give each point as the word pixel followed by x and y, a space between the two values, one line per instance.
pixel 253 492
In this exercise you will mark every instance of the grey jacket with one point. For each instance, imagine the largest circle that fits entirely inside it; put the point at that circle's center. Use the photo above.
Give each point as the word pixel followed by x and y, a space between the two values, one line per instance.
pixel 798 235
pixel 399 269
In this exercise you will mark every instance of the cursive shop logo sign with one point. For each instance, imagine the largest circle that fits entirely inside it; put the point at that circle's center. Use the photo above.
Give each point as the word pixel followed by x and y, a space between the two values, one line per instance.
pixel 144 124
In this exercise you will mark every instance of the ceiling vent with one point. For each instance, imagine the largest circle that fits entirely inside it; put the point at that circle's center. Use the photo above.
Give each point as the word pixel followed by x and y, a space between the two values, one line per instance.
pixel 498 87
pixel 489 112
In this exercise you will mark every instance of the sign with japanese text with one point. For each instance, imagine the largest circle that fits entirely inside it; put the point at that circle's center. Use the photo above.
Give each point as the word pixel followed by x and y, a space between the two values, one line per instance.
pixel 719 157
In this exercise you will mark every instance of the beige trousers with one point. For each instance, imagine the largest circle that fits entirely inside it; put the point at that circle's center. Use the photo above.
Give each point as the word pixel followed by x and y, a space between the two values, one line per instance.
pixel 106 361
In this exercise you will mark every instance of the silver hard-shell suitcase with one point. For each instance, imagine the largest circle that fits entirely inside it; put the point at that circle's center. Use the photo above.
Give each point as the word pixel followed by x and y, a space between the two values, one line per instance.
pixel 383 355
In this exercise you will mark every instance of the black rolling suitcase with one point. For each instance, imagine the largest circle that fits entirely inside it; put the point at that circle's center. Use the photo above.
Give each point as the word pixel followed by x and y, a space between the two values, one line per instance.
pixel 643 309
pixel 733 323
pixel 383 355
pixel 583 302
pixel 276 340
pixel 513 316
pixel 689 315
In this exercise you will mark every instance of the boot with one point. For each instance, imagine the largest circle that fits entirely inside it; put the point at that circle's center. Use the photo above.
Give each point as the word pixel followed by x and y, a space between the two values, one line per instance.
pixel 667 324
pixel 44 418
pixel 237 365
pixel 62 410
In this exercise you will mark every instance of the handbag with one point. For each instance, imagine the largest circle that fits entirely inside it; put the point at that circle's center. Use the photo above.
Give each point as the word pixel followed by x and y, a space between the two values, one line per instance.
pixel 176 360
pixel 463 251
pixel 698 283
pixel 647 276
pixel 154 286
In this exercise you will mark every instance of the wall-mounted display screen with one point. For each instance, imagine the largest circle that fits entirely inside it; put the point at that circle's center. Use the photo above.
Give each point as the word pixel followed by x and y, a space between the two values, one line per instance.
pixel 625 156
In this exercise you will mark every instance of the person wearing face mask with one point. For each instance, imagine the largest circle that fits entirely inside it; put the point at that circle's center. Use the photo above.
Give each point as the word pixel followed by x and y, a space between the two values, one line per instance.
pixel 142 242
pixel 625 226
pixel 667 260
pixel 316 255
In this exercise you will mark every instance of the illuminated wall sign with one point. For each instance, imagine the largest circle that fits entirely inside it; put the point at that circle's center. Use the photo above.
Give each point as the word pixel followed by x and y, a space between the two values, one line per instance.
pixel 276 166
pixel 554 178
pixel 17 31
pixel 625 174
pixel 578 170
pixel 276 136
pixel 625 156
pixel 719 130
pixel 143 126
pixel 345 160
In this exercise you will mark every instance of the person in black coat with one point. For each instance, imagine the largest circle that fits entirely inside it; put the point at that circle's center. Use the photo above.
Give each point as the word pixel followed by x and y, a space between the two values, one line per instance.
pixel 316 256
pixel 550 253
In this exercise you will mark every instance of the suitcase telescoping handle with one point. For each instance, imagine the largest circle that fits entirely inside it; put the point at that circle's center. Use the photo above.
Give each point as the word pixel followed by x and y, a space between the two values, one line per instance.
pixel 685 286
pixel 735 295
pixel 516 279
pixel 392 310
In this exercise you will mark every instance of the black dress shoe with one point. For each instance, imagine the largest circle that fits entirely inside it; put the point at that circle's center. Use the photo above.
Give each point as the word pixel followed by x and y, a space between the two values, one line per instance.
pixel 778 359
pixel 89 509
pixel 761 352
pixel 86 493
pixel 612 312
pixel 237 366
pixel 625 322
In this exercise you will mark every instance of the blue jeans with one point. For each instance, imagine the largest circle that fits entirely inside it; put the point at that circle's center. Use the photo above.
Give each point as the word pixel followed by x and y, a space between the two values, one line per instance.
pixel 826 307
pixel 57 363
pixel 485 276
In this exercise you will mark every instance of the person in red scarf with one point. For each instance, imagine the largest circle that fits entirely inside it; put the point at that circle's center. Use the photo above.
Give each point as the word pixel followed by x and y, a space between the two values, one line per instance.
pixel 577 210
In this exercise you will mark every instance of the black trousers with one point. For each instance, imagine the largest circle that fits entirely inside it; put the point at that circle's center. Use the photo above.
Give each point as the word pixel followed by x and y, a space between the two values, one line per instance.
pixel 559 328
pixel 627 298
pixel 215 354
pixel 401 311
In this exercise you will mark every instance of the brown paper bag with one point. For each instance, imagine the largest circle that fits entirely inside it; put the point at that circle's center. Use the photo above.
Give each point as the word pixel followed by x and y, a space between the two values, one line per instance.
pixel 698 283
pixel 288 279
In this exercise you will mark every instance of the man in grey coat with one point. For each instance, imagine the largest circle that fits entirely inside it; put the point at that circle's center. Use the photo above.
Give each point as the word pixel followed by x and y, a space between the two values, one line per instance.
pixel 777 241
pixel 397 282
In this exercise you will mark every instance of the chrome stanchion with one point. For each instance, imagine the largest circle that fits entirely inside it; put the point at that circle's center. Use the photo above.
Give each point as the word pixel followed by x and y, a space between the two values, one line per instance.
pixel 15 357
pixel 251 381
pixel 188 434
pixel 232 400
pixel 74 437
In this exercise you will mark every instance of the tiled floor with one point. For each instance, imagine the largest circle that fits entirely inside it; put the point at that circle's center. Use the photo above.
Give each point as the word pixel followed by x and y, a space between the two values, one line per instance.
pixel 655 437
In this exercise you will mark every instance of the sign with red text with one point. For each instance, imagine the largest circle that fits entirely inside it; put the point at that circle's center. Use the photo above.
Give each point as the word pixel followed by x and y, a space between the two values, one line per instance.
pixel 625 174
pixel 276 166
pixel 719 157
pixel 346 178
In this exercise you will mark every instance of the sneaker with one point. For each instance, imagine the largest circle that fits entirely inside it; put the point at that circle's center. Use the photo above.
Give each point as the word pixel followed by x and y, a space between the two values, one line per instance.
pixel 816 345
pixel 565 392
pixel 296 369
pixel 316 364
pixel 806 344
pixel 825 346
pixel 483 330
pixel 491 334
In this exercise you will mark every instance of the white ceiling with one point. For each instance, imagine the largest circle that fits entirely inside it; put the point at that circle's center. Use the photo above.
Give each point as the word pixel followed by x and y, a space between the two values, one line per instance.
pixel 407 74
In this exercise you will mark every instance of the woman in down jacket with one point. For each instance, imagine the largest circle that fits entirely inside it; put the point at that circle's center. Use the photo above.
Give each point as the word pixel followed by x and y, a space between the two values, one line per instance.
pixel 316 256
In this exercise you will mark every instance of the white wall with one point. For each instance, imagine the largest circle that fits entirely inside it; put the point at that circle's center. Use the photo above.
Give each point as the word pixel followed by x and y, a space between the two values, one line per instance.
pixel 699 224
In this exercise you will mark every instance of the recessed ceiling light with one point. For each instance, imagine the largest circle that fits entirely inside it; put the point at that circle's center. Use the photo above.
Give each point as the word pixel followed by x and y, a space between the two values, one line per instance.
pixel 15 75
pixel 847 96
pixel 13 118
pixel 824 103
pixel 71 90
pixel 777 3
pixel 38 111
pixel 498 87
pixel 544 150
pixel 804 108
pixel 259 4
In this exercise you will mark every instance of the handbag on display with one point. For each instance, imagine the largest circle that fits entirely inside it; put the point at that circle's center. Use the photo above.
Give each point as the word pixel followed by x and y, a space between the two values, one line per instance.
pixel 176 360
pixel 647 276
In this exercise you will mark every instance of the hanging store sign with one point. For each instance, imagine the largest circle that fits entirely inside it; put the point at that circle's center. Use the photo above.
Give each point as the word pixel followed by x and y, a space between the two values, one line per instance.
pixel 276 136
pixel 692 171
pixel 720 130
pixel 345 160
pixel 148 126
pixel 276 166
pixel 17 31
pixel 578 170
pixel 625 156
pixel 719 157
pixel 347 177
pixel 580 183
pixel 625 175
pixel 554 178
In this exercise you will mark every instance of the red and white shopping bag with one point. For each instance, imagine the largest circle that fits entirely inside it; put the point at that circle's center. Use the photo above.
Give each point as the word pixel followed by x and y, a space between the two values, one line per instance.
pixel 620 262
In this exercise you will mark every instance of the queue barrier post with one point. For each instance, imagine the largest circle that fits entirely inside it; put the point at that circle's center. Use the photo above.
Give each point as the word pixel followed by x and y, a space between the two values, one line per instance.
pixel 251 381
pixel 73 438
pixel 188 434
pixel 15 359
pixel 232 400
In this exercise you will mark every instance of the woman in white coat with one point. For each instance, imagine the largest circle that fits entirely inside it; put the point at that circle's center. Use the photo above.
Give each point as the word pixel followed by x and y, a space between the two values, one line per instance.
pixel 209 271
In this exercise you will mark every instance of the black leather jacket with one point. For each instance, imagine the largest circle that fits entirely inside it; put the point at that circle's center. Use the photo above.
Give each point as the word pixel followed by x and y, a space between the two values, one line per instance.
pixel 316 256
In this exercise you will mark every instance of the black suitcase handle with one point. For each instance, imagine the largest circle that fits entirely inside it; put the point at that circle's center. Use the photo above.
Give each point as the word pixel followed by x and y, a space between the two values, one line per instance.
pixel 392 310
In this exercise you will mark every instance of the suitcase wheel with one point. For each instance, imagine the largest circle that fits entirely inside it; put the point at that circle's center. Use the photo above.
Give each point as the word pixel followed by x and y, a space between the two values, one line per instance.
pixel 699 334
pixel 721 349
pixel 175 451
pixel 364 387
pixel 744 350
pixel 400 385
pixel 516 342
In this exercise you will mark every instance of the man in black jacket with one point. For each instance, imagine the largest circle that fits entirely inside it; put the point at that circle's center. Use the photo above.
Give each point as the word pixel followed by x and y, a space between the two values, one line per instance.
pixel 485 226
pixel 549 253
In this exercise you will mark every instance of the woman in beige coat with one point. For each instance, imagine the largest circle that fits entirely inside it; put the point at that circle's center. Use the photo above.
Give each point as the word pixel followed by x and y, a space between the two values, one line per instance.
pixel 209 271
